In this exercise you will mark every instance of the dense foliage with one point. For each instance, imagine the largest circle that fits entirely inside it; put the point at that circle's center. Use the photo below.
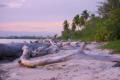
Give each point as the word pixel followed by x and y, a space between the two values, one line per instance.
pixel 105 27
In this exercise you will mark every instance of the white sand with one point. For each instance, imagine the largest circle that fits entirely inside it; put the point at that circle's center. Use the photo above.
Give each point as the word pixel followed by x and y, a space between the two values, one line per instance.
pixel 80 67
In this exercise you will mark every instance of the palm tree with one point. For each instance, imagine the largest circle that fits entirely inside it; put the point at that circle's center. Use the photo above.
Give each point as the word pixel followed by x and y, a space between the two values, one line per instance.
pixel 76 20
pixel 108 6
pixel 82 21
pixel 66 31
pixel 66 25
pixel 113 4
pixel 85 14
pixel 73 26
pixel 84 17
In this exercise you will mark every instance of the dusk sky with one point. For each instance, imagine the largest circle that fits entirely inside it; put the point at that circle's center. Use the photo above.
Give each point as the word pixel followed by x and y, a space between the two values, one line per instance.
pixel 40 16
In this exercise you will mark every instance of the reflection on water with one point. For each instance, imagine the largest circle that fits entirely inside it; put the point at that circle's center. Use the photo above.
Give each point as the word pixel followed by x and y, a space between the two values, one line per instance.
pixel 16 40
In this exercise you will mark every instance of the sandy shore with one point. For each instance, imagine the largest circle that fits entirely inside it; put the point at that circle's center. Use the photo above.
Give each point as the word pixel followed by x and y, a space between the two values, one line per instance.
pixel 79 67
pixel 1 73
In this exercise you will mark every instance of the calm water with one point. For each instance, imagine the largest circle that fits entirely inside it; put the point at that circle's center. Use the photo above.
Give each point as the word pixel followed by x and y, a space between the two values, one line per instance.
pixel 16 40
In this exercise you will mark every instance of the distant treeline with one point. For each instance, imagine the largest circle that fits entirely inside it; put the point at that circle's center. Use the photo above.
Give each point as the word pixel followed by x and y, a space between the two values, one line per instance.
pixel 24 37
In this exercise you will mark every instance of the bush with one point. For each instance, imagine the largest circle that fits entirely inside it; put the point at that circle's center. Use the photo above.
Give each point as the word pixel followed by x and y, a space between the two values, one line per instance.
pixel 103 34
pixel 109 29
pixel 115 45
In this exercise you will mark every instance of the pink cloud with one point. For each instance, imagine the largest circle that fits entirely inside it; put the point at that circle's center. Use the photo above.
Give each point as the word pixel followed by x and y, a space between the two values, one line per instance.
pixel 12 3
pixel 32 26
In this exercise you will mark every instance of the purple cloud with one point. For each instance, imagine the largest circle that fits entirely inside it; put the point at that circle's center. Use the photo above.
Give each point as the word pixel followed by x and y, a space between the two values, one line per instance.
pixel 12 3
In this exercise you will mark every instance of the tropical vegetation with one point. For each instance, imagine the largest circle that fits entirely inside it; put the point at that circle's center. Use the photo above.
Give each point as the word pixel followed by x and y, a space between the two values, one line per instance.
pixel 88 26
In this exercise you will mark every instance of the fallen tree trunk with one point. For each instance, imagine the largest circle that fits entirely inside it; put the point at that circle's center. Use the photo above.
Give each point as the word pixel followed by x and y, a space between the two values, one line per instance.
pixel 14 50
pixel 25 61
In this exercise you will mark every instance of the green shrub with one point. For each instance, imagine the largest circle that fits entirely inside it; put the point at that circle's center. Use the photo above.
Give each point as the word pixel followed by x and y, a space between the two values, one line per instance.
pixel 65 35
pixel 115 45
pixel 109 29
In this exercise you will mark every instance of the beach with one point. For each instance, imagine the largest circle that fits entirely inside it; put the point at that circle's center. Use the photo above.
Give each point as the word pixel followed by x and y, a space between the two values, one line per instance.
pixel 78 67
pixel 59 40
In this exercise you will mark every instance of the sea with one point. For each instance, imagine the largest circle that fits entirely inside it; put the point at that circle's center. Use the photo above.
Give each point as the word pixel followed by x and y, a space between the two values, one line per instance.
pixel 16 40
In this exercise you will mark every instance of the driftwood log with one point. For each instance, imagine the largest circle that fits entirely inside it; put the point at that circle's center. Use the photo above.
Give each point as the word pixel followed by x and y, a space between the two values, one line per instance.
pixel 25 61
pixel 14 50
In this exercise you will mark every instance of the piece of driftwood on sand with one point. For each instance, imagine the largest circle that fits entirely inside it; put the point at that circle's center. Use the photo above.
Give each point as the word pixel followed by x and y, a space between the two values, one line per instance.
pixel 14 50
pixel 25 61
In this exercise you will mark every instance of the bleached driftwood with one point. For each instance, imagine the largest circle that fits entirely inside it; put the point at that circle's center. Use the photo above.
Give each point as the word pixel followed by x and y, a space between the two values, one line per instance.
pixel 44 50
pixel 14 50
pixel 25 61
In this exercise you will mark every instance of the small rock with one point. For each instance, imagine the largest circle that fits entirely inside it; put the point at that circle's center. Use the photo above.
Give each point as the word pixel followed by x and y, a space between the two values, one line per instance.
pixel 116 65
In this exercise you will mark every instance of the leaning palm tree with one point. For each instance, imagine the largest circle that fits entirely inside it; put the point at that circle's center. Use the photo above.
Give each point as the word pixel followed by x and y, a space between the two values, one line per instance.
pixel 66 32
pixel 82 22
pixel 76 20
pixel 66 25
pixel 85 14
pixel 113 4
pixel 73 26
pixel 105 7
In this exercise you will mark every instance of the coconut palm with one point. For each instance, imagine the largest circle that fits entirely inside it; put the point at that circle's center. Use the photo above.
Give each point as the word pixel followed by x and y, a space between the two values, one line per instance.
pixel 85 14
pixel 82 21
pixel 66 25
pixel 76 20
pixel 108 6
pixel 73 26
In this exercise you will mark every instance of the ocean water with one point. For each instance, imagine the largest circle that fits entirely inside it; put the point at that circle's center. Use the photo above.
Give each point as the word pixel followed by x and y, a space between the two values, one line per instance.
pixel 16 40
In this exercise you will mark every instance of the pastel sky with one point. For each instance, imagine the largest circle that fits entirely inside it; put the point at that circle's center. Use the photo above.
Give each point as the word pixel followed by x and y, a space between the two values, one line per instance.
pixel 40 15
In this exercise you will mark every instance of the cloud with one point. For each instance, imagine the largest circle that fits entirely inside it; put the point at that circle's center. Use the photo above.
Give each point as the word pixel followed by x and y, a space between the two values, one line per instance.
pixel 12 3
pixel 32 26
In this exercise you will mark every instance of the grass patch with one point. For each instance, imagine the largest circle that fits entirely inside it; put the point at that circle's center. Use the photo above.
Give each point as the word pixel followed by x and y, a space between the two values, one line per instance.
pixel 115 45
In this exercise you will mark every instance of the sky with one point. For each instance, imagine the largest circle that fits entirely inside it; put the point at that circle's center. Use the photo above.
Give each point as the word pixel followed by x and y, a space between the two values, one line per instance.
pixel 40 17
